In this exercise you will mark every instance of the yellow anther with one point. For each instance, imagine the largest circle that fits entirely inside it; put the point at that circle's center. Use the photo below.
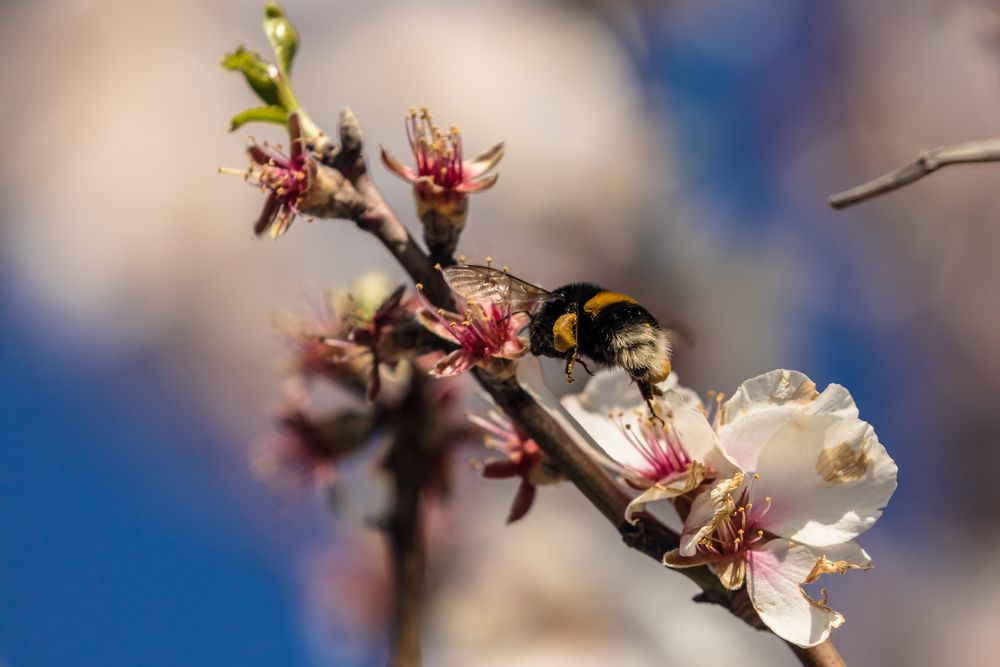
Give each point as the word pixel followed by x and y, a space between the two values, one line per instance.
pixel 420 286
pixel 760 533
pixel 756 476
pixel 737 541
pixel 767 499
pixel 739 531
pixel 461 259
pixel 438 266
pixel 749 505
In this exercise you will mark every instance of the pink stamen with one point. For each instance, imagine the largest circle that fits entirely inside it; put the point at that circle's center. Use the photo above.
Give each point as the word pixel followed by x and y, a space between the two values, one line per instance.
pixel 659 446
pixel 484 330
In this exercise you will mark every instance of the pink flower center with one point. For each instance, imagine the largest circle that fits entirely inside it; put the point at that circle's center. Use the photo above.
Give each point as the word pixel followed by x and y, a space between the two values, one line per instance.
pixel 484 331
pixel 741 531
pixel 438 154
pixel 286 177
pixel 659 446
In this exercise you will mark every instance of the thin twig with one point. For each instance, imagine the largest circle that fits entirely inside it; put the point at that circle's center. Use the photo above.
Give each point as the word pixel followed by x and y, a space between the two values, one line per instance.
pixel 649 536
pixel 926 163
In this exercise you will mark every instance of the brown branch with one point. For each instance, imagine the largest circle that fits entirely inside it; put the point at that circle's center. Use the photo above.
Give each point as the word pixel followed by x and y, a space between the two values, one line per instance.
pixel 648 536
pixel 578 467
pixel 926 163
pixel 406 463
pixel 824 655
pixel 409 565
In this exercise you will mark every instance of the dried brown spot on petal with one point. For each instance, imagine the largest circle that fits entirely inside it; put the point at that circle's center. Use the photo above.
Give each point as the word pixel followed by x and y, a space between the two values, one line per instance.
pixel 842 464
pixel 826 566
pixel 804 393
pixel 730 572
pixel 836 618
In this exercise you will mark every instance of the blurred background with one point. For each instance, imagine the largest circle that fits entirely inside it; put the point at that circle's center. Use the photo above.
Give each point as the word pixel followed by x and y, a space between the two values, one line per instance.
pixel 678 151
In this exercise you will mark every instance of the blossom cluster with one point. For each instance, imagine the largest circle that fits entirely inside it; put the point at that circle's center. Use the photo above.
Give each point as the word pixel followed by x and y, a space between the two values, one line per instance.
pixel 772 486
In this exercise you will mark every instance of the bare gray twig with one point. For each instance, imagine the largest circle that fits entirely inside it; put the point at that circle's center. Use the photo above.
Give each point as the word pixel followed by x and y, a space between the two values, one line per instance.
pixel 927 162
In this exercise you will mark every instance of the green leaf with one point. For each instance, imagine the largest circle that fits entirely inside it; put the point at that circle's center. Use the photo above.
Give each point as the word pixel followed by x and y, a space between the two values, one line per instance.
pixel 260 74
pixel 282 35
pixel 271 114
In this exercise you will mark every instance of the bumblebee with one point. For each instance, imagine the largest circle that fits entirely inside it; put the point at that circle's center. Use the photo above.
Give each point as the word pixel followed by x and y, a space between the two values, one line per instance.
pixel 576 322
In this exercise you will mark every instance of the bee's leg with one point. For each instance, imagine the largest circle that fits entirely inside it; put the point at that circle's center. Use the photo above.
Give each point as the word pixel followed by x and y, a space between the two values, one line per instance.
pixel 569 366
pixel 589 372
pixel 652 411
pixel 649 392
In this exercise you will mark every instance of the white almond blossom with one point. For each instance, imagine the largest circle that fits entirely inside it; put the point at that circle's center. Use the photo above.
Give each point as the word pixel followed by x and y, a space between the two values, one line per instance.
pixel 812 478
pixel 666 457
pixel 781 478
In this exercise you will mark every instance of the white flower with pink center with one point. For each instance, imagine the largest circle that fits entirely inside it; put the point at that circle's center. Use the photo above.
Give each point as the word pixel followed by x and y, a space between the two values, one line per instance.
pixel 483 332
pixel 813 477
pixel 665 457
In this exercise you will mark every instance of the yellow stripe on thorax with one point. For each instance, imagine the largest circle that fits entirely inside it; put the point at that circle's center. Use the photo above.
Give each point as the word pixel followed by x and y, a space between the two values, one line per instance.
pixel 602 300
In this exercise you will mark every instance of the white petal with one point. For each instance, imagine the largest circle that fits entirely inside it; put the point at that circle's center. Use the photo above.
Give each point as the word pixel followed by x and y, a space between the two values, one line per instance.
pixel 690 396
pixel 676 486
pixel 610 390
pixel 608 433
pixel 765 403
pixel 529 376
pixel 836 400
pixel 775 573
pixel 776 387
pixel 828 477
pixel 696 435
pixel 707 510
pixel 743 438
pixel 614 390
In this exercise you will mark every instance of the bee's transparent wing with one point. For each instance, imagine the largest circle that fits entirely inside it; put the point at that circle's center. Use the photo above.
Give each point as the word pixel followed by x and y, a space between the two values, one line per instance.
pixel 484 284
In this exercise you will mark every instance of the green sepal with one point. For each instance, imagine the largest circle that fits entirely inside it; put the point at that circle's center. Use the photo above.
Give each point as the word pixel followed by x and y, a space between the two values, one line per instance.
pixel 282 34
pixel 271 114
pixel 260 74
